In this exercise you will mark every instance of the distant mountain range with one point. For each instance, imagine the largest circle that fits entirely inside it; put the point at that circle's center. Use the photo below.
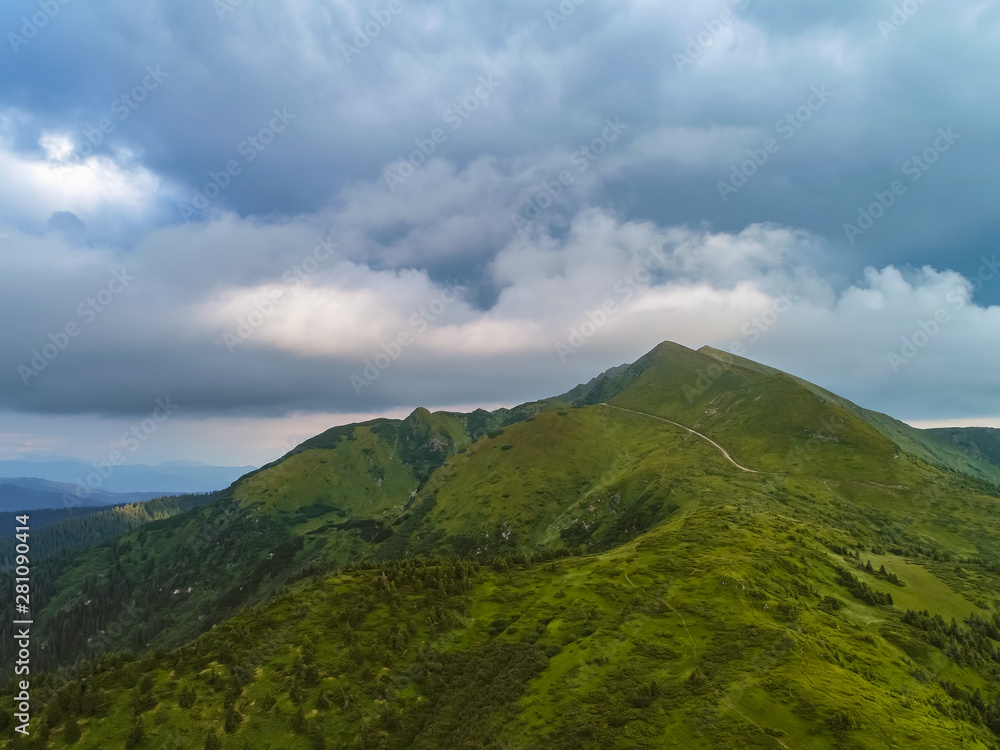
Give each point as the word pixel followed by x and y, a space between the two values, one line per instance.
pixel 50 502
pixel 29 493
pixel 175 477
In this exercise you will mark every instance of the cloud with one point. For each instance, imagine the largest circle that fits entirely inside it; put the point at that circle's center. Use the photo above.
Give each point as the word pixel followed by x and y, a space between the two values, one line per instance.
pixel 97 188
pixel 527 203
pixel 912 343
pixel 357 117
pixel 284 334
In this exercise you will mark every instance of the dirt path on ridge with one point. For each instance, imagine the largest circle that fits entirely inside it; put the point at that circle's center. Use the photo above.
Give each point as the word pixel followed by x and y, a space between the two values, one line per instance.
pixel 693 432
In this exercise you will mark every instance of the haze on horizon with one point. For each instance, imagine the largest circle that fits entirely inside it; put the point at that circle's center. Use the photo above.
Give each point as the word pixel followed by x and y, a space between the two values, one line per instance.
pixel 246 209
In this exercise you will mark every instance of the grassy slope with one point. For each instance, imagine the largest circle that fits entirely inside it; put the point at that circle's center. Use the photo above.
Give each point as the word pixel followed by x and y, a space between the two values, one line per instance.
pixel 703 632
pixel 973 451
pixel 235 552
pixel 567 477
pixel 982 443
pixel 766 421
pixel 330 500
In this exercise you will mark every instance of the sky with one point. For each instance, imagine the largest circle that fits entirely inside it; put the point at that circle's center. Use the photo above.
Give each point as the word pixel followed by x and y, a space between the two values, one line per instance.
pixel 232 224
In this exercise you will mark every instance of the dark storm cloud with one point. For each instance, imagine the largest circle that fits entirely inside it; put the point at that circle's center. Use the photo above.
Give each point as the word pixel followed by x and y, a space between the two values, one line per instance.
pixel 357 112
pixel 293 118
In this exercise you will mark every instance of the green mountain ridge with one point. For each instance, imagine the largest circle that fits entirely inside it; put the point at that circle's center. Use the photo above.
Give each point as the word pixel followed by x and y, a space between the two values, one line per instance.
pixel 981 443
pixel 692 551
pixel 954 448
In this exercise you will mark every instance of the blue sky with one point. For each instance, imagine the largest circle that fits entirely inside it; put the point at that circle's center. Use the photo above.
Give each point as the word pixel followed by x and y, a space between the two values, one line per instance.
pixel 285 216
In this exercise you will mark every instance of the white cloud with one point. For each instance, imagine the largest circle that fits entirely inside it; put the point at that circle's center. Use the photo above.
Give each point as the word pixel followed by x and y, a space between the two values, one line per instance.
pixel 699 287
pixel 34 187
pixel 346 317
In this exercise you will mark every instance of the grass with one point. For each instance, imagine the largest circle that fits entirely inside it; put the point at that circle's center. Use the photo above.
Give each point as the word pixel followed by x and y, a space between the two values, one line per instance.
pixel 645 644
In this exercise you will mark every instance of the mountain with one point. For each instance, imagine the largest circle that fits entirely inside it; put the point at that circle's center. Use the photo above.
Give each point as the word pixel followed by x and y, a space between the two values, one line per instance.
pixel 29 493
pixel 39 520
pixel 956 448
pixel 982 443
pixel 55 533
pixel 691 551
pixel 170 478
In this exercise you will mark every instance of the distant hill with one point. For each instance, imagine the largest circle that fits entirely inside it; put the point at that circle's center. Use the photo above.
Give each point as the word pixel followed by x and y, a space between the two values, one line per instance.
pixel 982 443
pixel 170 478
pixel 54 532
pixel 41 518
pixel 969 450
pixel 51 502
pixel 30 493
